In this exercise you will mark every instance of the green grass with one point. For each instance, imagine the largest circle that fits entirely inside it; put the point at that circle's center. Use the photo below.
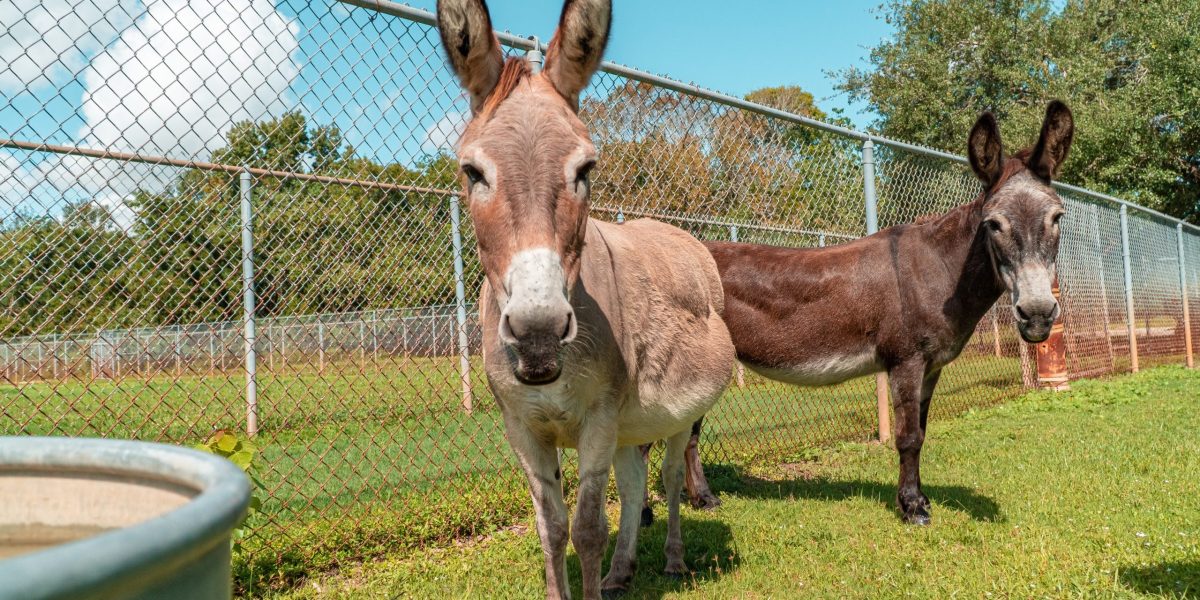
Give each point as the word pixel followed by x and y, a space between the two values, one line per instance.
pixel 1088 493
pixel 359 465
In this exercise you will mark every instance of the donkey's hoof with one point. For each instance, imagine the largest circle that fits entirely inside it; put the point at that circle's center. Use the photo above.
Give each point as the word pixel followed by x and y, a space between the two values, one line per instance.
pixel 677 572
pixel 919 517
pixel 708 501
pixel 647 516
pixel 612 593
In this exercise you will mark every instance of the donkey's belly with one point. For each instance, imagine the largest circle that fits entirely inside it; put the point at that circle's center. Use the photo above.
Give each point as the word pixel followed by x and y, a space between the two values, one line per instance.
pixel 656 417
pixel 824 370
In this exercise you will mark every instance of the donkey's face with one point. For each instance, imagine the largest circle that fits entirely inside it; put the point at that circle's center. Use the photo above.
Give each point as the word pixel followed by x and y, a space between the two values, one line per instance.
pixel 1021 214
pixel 526 158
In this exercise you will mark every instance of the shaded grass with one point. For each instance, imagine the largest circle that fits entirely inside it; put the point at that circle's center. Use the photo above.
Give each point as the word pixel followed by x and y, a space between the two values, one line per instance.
pixel 359 465
pixel 1089 493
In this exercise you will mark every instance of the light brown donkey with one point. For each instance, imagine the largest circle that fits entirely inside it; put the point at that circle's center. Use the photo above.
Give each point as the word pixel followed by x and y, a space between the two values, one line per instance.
pixel 595 336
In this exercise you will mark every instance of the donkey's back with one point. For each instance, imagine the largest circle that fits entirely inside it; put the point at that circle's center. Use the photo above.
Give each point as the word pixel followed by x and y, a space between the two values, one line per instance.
pixel 665 304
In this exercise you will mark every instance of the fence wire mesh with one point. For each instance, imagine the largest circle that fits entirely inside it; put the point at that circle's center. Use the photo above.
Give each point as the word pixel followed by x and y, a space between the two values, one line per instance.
pixel 124 128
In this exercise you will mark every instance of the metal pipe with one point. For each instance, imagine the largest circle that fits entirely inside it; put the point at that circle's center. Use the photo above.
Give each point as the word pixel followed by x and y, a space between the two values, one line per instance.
pixel 150 159
pixel 871 207
pixel 248 303
pixel 460 294
pixel 1125 257
pixel 1100 268
pixel 1183 292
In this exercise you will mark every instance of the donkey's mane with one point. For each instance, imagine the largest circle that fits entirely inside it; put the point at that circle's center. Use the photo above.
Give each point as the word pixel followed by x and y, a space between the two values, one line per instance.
pixel 515 71
pixel 1013 165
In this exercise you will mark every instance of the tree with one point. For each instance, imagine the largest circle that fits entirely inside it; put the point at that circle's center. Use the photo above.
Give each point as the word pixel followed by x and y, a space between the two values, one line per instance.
pixel 683 158
pixel 1127 69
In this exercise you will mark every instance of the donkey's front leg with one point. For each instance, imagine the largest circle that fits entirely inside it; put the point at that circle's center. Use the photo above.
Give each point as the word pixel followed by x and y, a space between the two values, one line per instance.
pixel 907 381
pixel 540 463
pixel 589 533
pixel 630 468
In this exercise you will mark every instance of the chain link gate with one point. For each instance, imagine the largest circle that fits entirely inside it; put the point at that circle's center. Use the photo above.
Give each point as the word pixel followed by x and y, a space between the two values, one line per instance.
pixel 244 215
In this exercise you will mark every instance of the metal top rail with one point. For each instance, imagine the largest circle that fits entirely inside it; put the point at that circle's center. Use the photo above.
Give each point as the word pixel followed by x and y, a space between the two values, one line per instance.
pixel 210 166
pixel 423 16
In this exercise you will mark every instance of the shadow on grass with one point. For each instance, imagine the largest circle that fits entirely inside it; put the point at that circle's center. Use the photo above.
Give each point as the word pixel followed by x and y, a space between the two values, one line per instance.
pixel 1169 579
pixel 729 479
pixel 708 551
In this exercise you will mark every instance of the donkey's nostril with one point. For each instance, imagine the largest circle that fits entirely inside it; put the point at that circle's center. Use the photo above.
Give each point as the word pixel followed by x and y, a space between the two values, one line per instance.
pixel 506 332
pixel 570 329
pixel 1024 316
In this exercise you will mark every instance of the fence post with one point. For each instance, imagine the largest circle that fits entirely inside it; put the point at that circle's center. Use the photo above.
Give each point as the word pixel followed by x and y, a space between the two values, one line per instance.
pixel 1125 257
pixel 1183 292
pixel 534 54
pixel 375 337
pixel 996 334
pixel 460 298
pixel 1112 361
pixel 320 345
pixel 872 210
pixel 248 304
pixel 741 369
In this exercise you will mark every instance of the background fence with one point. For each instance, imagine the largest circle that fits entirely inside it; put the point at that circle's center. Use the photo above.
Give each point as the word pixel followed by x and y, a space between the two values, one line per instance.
pixel 236 214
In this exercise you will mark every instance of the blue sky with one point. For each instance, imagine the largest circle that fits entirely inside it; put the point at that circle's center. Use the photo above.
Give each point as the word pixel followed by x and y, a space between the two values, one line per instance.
pixel 730 46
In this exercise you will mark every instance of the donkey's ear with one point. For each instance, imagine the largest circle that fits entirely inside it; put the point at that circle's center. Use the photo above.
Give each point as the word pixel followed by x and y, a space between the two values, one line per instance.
pixel 985 150
pixel 473 49
pixel 578 45
pixel 1058 129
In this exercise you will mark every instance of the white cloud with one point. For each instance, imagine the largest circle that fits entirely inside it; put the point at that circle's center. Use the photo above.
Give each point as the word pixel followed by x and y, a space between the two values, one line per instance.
pixel 176 81
pixel 51 40
pixel 444 134
pixel 172 83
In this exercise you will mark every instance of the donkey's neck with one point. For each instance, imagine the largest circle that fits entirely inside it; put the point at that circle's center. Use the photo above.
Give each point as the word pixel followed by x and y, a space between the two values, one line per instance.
pixel 963 245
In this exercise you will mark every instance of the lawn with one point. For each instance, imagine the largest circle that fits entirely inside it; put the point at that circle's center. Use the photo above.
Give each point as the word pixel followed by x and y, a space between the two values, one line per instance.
pixel 1089 493
pixel 359 463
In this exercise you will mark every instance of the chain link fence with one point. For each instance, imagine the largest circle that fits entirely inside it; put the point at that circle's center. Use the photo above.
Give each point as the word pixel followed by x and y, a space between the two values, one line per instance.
pixel 244 215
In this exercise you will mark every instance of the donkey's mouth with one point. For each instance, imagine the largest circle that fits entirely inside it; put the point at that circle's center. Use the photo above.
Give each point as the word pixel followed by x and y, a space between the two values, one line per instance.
pixel 537 361
pixel 539 377
pixel 1034 333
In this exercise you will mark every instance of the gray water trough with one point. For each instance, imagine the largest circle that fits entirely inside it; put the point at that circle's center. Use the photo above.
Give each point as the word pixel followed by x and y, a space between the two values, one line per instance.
pixel 92 518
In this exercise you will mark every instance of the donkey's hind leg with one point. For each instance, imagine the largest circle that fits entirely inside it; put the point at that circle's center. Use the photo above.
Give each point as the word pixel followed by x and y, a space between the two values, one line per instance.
pixel 907 381
pixel 699 493
pixel 647 512
pixel 672 473
pixel 630 470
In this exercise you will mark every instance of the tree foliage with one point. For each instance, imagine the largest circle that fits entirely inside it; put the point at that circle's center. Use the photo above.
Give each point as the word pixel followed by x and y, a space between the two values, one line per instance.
pixel 318 247
pixel 1127 69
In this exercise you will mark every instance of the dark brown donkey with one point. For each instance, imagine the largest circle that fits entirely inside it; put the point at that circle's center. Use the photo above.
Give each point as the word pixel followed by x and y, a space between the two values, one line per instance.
pixel 906 299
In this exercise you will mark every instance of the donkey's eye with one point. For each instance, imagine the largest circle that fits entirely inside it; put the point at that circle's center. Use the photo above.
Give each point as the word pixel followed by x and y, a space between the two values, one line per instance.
pixel 1057 217
pixel 473 174
pixel 994 226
